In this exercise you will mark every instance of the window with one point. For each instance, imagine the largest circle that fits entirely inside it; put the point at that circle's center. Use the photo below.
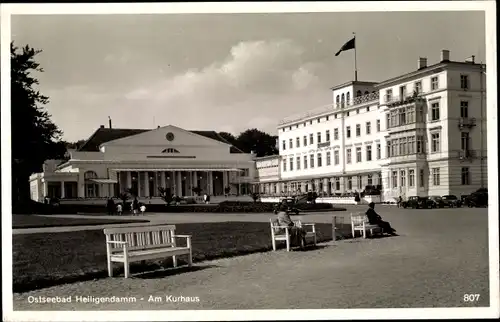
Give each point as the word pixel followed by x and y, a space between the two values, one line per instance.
pixel 394 146
pixel 388 95
pixel 335 134
pixel 420 113
pixel 348 132
pixel 388 120
pixel 358 154
pixel 402 146
pixel 348 156
pixel 291 164
pixel 327 117
pixel 418 87
pixel 465 177
pixel 394 179
pixel 337 183
pixel 435 142
pixel 327 135
pixel 336 157
pixel 311 161
pixel 290 144
pixel 402 92
pixel 297 142
pixel 420 144
pixel 320 162
pixel 284 164
pixel 434 83
pixel 305 161
pixel 435 111
pixel 347 114
pixel 328 158
pixel 464 82
pixel 311 122
pixel 464 140
pixel 337 100
pixel 358 129
pixel 311 138
pixel 422 183
pixel 435 176
pixel 305 140
pixel 368 127
pixel 378 125
pixel 368 108
pixel 464 109
pixel 319 137
pixel 370 180
pixel 403 178
pixel 379 152
pixel 368 153
pixel 357 111
pixel 389 149
pixel 360 182
pixel 358 93
pixel 342 100
pixel 410 114
pixel 284 144
pixel 411 178
pixel 349 183
pixel 411 145
pixel 319 119
pixel 348 98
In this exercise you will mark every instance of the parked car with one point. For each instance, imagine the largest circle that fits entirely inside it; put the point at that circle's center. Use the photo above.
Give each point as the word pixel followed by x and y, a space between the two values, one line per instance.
pixel 452 201
pixel 478 198
pixel 416 202
pixel 438 201
pixel 291 204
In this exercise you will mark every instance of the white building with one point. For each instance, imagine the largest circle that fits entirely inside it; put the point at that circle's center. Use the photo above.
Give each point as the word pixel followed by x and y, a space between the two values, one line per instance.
pixel 422 133
pixel 113 160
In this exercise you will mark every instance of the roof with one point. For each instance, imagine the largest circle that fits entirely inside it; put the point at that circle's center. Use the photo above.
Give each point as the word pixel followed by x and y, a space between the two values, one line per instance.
pixel 352 83
pixel 103 135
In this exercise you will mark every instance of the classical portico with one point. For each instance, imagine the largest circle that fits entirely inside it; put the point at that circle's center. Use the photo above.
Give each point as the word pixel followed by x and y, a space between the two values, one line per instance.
pixel 115 160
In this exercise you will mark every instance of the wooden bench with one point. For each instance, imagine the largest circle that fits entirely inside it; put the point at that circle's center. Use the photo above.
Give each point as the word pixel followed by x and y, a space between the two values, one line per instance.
pixel 282 233
pixel 139 243
pixel 360 222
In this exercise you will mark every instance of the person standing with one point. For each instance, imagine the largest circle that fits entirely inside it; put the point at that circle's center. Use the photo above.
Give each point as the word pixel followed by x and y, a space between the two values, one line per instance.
pixel 119 209
pixel 110 206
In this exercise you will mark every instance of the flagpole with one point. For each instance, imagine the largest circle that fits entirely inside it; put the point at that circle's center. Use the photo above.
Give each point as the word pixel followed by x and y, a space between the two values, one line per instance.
pixel 355 60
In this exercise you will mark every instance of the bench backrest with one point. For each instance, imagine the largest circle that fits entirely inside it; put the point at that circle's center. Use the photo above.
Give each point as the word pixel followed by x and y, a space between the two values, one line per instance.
pixel 142 237
pixel 275 226
pixel 359 218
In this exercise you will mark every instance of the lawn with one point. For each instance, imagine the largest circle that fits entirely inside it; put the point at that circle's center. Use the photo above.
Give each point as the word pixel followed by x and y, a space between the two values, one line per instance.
pixel 43 260
pixel 30 221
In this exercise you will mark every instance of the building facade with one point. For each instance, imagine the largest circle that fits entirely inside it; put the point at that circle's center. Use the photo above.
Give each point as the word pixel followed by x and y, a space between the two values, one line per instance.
pixel 113 160
pixel 422 133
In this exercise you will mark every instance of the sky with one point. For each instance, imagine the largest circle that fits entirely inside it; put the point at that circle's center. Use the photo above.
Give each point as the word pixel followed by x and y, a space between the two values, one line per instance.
pixel 225 72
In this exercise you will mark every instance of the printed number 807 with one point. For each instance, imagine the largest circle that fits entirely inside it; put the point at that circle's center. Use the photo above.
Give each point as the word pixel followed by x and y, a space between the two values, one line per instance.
pixel 471 297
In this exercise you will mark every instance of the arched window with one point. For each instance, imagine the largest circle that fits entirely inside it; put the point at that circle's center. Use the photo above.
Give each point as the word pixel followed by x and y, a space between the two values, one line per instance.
pixel 343 100
pixel 358 93
pixel 348 98
pixel 338 100
pixel 366 92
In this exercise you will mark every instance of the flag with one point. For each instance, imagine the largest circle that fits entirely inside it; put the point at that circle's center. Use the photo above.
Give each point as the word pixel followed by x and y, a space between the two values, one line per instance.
pixel 348 45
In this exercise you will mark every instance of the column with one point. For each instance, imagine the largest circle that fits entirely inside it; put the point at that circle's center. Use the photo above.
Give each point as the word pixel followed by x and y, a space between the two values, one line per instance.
pixel 146 184
pixel 81 186
pixel 209 183
pixel 63 194
pixel 224 180
pixel 162 179
pixel 139 183
pixel 173 185
pixel 45 188
pixel 129 181
pixel 179 183
pixel 195 179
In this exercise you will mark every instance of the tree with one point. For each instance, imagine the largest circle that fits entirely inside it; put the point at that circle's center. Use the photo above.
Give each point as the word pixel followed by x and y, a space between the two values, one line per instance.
pixel 165 195
pixel 34 137
pixel 228 137
pixel 74 145
pixel 255 140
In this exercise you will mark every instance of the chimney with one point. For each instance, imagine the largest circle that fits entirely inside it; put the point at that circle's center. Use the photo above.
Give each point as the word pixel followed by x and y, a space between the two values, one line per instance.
pixel 445 55
pixel 422 62
pixel 102 126
pixel 110 122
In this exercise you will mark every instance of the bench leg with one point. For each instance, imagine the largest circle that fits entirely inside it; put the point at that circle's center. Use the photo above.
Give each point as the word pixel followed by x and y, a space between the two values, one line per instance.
pixel 110 267
pixel 364 233
pixel 174 260
pixel 126 267
pixel 288 244
pixel 190 258
pixel 274 244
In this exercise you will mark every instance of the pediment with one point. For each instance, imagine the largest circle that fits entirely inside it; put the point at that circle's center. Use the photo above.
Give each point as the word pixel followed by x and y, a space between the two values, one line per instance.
pixel 168 136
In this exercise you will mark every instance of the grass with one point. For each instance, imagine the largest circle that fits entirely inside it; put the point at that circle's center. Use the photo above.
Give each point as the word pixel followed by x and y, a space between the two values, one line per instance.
pixel 27 221
pixel 43 260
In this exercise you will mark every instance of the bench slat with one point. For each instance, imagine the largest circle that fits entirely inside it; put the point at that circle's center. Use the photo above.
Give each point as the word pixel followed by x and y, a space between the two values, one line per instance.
pixel 138 229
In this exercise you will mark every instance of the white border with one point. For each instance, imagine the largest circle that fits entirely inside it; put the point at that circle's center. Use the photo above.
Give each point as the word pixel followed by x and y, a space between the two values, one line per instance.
pixel 234 7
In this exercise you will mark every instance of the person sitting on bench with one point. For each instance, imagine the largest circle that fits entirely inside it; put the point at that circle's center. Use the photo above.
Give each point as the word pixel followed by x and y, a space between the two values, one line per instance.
pixel 375 219
pixel 298 234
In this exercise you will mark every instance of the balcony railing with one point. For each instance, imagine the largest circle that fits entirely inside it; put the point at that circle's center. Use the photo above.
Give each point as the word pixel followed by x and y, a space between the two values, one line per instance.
pixel 359 100
pixel 323 144
pixel 466 122
pixel 392 100
pixel 466 155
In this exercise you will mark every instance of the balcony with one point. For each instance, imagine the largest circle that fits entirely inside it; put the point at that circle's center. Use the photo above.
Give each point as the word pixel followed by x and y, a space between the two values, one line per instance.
pixel 466 155
pixel 391 100
pixel 372 97
pixel 323 144
pixel 405 158
pixel 466 122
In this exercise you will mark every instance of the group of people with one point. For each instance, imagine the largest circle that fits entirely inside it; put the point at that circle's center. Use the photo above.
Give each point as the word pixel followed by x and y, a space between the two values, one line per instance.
pixel 297 234
pixel 136 207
